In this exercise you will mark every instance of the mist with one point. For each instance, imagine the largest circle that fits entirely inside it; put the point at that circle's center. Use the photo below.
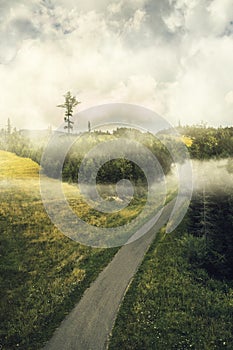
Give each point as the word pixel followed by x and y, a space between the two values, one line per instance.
pixel 211 175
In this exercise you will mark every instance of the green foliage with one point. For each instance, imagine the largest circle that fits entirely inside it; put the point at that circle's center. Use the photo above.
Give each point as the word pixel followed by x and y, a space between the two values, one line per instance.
pixel 203 143
pixel 113 170
pixel 23 146
pixel 70 103
pixel 213 220
pixel 209 142
pixel 182 295
pixel 173 304
pixel 195 250
pixel 17 143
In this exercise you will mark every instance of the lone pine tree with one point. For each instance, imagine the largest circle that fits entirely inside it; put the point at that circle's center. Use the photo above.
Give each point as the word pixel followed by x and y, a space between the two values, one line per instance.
pixel 70 103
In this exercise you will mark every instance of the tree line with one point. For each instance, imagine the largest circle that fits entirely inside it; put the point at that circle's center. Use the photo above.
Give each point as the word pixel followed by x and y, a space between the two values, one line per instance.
pixel 209 142
pixel 205 143
pixel 112 170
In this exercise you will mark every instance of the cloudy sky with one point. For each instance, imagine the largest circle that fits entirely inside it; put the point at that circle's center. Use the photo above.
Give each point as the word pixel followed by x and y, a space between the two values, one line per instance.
pixel 172 56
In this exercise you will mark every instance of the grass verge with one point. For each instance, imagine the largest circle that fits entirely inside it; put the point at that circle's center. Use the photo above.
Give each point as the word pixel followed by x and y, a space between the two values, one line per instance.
pixel 171 305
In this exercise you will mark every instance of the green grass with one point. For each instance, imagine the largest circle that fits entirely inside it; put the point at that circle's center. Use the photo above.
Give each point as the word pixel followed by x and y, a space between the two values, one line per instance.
pixel 14 167
pixel 171 305
pixel 42 272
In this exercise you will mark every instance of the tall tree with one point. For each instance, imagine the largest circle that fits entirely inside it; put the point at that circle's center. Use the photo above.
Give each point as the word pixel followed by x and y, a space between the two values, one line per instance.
pixel 70 103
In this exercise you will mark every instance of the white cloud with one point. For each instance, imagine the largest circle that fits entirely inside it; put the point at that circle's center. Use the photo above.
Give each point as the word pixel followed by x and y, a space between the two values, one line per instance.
pixel 115 8
pixel 184 74
pixel 135 22
pixel 221 13
pixel 200 91
pixel 14 28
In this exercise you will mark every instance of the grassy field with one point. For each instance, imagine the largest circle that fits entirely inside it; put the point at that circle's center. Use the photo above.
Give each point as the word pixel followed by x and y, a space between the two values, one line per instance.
pixel 43 273
pixel 13 167
pixel 172 305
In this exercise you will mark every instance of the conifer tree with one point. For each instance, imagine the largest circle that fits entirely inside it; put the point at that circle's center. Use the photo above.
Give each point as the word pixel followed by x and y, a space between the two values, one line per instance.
pixel 70 103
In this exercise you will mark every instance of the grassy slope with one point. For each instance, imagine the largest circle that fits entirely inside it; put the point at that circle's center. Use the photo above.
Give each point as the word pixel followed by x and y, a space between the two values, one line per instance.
pixel 13 167
pixel 42 273
pixel 170 305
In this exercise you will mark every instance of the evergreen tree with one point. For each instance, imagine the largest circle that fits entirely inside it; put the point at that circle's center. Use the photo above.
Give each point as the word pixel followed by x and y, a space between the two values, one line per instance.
pixel 70 103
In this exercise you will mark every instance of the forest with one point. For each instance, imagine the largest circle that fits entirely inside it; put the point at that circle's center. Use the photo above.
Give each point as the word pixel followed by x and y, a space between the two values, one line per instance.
pixel 202 142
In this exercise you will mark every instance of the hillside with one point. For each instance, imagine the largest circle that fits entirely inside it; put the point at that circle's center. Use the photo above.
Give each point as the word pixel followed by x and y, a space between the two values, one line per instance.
pixel 14 167
pixel 42 272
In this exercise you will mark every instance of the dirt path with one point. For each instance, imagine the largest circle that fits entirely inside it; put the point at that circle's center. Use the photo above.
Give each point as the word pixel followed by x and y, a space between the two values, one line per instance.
pixel 90 323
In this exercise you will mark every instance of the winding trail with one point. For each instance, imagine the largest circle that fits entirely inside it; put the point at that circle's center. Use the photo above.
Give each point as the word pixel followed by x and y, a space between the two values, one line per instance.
pixel 89 325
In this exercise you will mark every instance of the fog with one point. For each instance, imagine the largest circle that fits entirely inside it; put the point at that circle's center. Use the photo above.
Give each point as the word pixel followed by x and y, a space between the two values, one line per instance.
pixel 211 175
